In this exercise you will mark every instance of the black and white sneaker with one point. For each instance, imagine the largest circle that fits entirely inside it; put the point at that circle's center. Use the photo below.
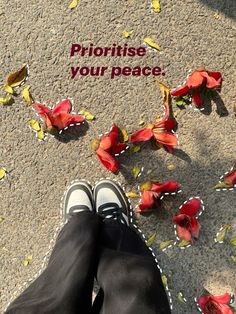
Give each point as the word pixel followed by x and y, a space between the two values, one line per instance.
pixel 78 198
pixel 111 201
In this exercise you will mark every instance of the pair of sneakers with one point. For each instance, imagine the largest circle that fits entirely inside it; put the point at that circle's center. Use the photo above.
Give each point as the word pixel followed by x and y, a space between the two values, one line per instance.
pixel 106 198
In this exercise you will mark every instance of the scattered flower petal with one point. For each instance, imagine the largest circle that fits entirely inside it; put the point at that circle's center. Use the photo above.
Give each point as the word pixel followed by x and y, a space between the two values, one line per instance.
pixel 171 167
pixel 135 149
pixel 164 280
pixel 34 124
pixel 183 243
pixel 41 135
pixel 8 89
pixel 233 241
pixel 2 218
pixel 125 134
pixel 165 244
pixel 233 258
pixel 132 194
pixel 127 34
pixel 25 262
pixel 220 236
pixel 156 6
pixel 17 78
pixel 26 95
pixel 151 240
pixel 136 171
pixel 3 173
pixel 181 297
pixel 88 115
pixel 8 100
pixel 73 4
pixel 141 122
pixel 151 43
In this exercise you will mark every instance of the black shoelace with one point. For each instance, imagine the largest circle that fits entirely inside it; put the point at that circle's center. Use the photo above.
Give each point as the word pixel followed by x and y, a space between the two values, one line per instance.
pixel 111 211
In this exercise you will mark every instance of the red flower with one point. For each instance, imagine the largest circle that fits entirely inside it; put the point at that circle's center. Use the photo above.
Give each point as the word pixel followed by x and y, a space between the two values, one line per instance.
pixel 196 83
pixel 211 304
pixel 230 178
pixel 187 225
pixel 59 117
pixel 108 147
pixel 161 131
pixel 151 192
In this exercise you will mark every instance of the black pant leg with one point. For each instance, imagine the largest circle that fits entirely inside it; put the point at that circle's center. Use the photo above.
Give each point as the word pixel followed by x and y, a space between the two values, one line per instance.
pixel 127 274
pixel 65 286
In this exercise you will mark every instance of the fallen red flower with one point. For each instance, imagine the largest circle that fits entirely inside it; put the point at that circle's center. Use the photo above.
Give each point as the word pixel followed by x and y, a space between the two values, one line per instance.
pixel 59 117
pixel 187 225
pixel 151 192
pixel 161 131
pixel 107 147
pixel 211 304
pixel 198 83
pixel 230 178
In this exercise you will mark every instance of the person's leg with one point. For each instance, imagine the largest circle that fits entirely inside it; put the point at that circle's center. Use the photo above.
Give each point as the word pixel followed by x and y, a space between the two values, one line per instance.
pixel 127 272
pixel 65 286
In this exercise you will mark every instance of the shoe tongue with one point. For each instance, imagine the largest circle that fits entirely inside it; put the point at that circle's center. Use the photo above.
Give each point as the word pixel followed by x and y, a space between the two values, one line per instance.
pixel 78 208
pixel 109 205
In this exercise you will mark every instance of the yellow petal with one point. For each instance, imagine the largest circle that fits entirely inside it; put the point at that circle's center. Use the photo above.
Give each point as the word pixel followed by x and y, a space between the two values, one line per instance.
pixel 146 185
pixel 34 124
pixel 88 115
pixel 135 149
pixel 151 240
pixel 41 135
pixel 30 257
pixel 94 144
pixel 181 297
pixel 26 95
pixel 126 34
pixel 2 218
pixel 125 134
pixel 222 185
pixel 151 43
pixel 183 243
pixel 149 172
pixel 25 262
pixel 18 78
pixel 141 122
pixel 165 90
pixel 8 89
pixel 164 280
pixel 8 100
pixel 233 258
pixel 2 173
pixel 156 6
pixel 73 4
pixel 132 194
pixel 171 167
pixel 233 241
pixel 136 171
pixel 165 244
pixel 222 233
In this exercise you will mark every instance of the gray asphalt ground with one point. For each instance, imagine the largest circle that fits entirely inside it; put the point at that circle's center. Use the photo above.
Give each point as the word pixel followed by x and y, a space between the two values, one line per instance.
pixel 40 33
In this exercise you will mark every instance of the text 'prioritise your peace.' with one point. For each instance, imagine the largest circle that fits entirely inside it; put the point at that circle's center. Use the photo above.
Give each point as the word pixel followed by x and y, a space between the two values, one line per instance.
pixel 116 51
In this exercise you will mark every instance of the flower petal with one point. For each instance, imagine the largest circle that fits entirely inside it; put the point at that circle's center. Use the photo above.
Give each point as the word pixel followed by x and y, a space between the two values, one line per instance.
pixel 194 226
pixel 230 178
pixel 169 140
pixel 108 160
pixel 168 125
pixel 183 233
pixel 108 140
pixel 147 200
pixel 213 79
pixel 76 118
pixel 191 207
pixel 222 299
pixel 198 101
pixel 41 109
pixel 196 79
pixel 202 300
pixel 118 148
pixel 168 186
pixel 182 91
pixel 142 135
pixel 63 106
